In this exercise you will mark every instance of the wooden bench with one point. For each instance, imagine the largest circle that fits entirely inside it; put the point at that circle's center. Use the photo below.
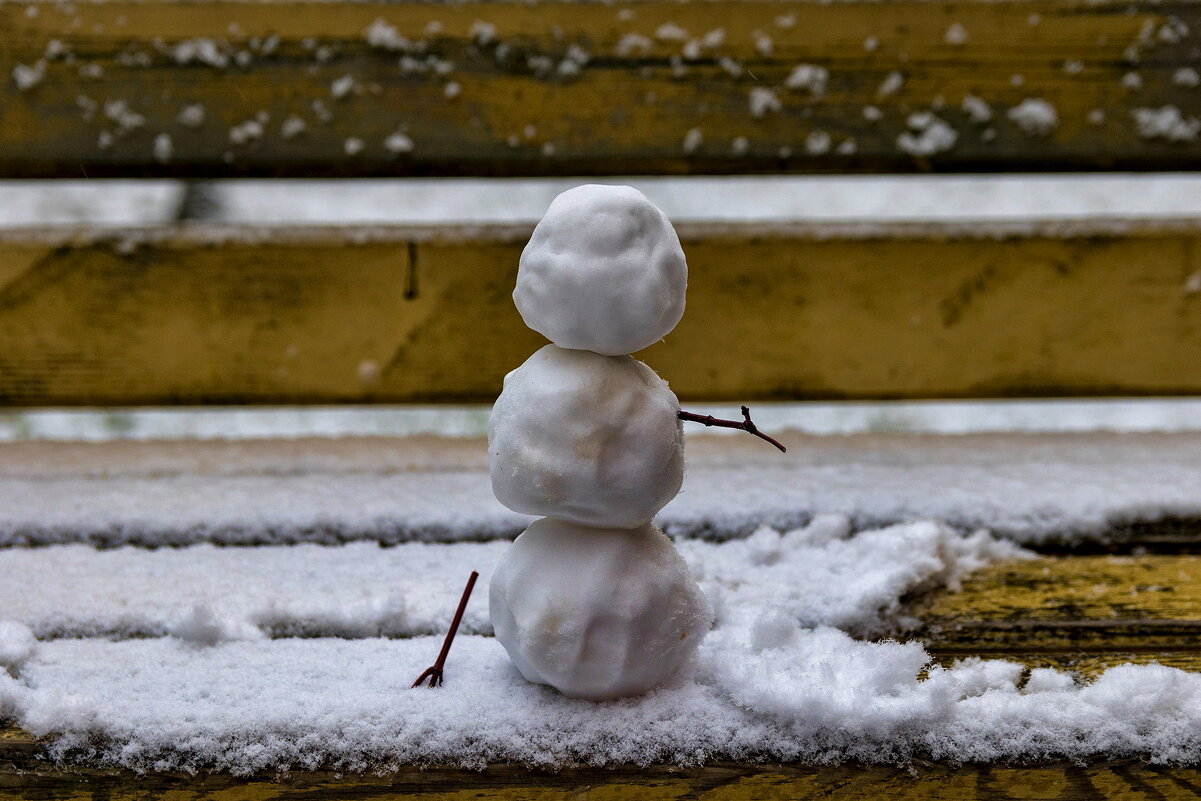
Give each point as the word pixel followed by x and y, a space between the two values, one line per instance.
pixel 226 314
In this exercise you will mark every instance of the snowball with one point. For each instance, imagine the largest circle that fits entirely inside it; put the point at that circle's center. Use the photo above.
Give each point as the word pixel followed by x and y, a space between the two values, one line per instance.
pixel 596 613
pixel 587 438
pixel 16 644
pixel 604 271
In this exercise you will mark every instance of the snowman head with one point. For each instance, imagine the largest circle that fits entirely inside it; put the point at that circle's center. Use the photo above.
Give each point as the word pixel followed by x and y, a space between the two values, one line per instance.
pixel 603 271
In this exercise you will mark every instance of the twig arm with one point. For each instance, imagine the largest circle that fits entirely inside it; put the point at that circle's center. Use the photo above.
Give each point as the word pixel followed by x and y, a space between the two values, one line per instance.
pixel 746 424
pixel 434 672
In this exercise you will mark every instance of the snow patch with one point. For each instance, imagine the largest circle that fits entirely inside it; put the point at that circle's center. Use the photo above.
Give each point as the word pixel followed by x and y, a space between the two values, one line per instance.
pixel 809 77
pixel 17 644
pixel 763 100
pixel 1034 116
pixel 1166 122
pixel 928 135
pixel 201 625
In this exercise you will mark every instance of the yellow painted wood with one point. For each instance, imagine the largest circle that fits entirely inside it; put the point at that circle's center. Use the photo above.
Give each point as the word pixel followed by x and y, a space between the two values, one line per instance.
pixel 505 88
pixel 774 313
pixel 22 777
pixel 1098 609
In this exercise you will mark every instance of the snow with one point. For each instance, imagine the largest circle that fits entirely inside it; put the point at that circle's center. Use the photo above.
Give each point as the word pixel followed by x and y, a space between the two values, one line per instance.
pixel 891 84
pixel 762 101
pixel 596 613
pixel 956 34
pixel 424 201
pixel 1034 116
pixel 27 76
pixel 214 698
pixel 928 136
pixel 977 110
pixel 17 643
pixel 809 77
pixel 778 678
pixel 191 115
pixel 1186 77
pixel 1031 488
pixel 1166 122
pixel 603 271
pixel 591 439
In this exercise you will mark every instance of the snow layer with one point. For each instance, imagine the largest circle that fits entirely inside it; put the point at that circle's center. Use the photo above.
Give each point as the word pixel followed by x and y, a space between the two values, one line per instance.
pixel 1028 487
pixel 763 686
pixel 843 417
pixel 306 202
pixel 203 593
pixel 596 613
pixel 817 695
pixel 591 439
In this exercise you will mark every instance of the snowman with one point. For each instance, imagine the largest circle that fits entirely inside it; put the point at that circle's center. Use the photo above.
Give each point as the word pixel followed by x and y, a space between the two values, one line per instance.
pixel 592 599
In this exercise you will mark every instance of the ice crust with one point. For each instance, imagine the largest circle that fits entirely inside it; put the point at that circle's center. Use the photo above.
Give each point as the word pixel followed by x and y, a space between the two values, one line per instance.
pixel 590 439
pixel 779 677
pixel 598 614
pixel 603 271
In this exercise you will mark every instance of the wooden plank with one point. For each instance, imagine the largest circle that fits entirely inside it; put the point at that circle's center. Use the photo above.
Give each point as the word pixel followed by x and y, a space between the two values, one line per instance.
pixel 225 87
pixel 1078 606
pixel 225 315
pixel 23 776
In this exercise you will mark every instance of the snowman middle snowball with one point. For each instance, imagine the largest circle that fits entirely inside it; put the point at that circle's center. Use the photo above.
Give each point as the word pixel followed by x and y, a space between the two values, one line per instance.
pixel 591 439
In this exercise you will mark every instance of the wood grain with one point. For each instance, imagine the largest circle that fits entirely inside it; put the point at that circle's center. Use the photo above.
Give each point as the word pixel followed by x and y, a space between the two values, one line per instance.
pixel 775 312
pixel 1065 608
pixel 503 88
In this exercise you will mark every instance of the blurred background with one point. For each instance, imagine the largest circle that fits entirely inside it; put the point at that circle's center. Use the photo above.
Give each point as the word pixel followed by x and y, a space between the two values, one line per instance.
pixel 117 203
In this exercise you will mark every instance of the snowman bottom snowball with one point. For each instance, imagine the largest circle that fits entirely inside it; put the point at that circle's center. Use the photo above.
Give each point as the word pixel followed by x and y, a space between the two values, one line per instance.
pixel 596 613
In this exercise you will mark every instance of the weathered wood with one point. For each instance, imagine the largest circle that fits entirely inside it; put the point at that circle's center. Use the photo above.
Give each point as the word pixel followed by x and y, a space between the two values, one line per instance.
pixel 1102 608
pixel 24 776
pixel 785 312
pixel 651 86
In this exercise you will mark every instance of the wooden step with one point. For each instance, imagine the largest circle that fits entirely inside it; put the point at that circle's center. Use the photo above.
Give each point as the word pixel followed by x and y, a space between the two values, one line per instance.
pixel 228 88
pixel 424 315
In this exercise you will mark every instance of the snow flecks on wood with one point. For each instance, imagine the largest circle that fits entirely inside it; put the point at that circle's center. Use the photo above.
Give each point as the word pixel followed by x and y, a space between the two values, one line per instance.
pixel 1034 116
pixel 1187 77
pixel 928 135
pixel 745 74
pixel 809 77
pixel 292 126
pixel 956 35
pixel 977 110
pixel 762 101
pixel 27 76
pixel 1167 123
pixel 191 115
pixel 164 148
pixel 398 143
pixel 692 140
pixel 891 84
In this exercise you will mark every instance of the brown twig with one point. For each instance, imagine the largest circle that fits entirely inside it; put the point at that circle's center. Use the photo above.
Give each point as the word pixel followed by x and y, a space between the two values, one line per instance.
pixel 434 672
pixel 742 425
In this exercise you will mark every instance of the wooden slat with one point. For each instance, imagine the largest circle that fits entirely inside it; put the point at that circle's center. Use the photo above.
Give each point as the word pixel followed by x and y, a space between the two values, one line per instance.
pixel 774 313
pixel 519 111
pixel 24 777
pixel 1098 610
